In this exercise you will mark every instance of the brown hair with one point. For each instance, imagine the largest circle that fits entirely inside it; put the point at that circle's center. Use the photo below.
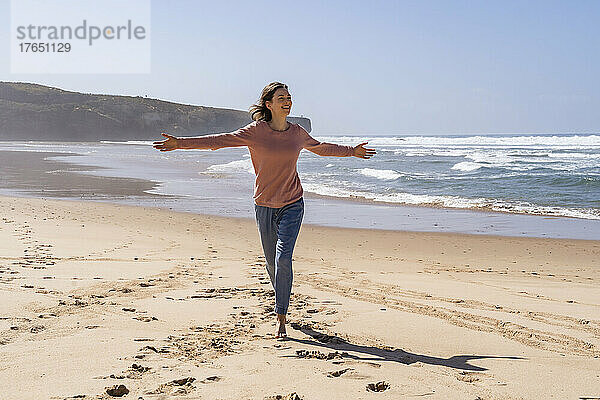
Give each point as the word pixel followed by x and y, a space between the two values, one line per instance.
pixel 259 110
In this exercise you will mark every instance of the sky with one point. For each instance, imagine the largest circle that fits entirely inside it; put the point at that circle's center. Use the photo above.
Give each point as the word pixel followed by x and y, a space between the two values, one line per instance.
pixel 380 67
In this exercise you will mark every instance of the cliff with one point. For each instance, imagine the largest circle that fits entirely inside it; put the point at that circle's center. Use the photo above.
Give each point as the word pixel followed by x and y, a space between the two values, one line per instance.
pixel 36 112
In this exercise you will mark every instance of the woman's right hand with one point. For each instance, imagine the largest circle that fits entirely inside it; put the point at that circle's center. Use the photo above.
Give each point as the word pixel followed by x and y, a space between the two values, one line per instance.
pixel 170 143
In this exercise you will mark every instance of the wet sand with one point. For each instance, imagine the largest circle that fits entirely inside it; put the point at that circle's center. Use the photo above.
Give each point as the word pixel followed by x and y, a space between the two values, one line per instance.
pixel 62 176
pixel 173 304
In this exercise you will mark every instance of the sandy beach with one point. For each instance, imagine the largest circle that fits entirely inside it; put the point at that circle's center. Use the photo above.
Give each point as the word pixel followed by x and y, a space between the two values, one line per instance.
pixel 179 305
pixel 447 155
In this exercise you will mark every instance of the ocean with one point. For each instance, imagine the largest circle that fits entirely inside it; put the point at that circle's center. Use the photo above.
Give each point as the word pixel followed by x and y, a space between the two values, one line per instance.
pixel 526 175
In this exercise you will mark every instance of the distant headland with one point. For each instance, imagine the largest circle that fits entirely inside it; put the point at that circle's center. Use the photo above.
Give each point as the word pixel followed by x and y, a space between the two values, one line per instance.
pixel 30 111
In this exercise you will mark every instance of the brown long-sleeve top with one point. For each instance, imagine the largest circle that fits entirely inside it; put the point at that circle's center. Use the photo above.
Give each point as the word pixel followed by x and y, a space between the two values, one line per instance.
pixel 274 156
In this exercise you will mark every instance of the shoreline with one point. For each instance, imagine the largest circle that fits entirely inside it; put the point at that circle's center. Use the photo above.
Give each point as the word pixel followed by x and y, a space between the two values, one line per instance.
pixel 485 210
pixel 350 199
pixel 35 176
pixel 374 202
pixel 233 220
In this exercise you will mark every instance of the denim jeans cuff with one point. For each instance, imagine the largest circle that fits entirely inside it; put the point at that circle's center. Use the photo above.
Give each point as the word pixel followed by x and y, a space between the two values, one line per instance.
pixel 280 310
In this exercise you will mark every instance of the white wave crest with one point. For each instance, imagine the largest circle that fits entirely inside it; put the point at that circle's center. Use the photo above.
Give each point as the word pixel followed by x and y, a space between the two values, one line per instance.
pixel 455 202
pixel 237 166
pixel 383 174
pixel 574 155
pixel 134 142
pixel 466 166
pixel 480 140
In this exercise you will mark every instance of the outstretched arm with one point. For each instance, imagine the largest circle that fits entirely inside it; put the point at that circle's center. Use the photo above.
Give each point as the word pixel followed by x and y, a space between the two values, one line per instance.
pixel 362 152
pixel 241 137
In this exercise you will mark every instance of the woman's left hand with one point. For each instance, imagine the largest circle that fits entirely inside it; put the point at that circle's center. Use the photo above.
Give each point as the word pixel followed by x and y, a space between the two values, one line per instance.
pixel 361 152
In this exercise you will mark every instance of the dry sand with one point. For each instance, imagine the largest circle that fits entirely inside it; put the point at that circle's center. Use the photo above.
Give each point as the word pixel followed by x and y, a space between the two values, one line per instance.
pixel 176 305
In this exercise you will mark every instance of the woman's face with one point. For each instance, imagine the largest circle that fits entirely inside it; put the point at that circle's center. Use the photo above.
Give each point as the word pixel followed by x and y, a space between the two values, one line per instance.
pixel 281 104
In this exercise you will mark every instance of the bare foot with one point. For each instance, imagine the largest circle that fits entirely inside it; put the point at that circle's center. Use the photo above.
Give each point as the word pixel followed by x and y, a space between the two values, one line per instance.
pixel 281 333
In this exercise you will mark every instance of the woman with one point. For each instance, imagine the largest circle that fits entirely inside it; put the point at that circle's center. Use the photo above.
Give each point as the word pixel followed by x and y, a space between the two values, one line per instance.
pixel 274 145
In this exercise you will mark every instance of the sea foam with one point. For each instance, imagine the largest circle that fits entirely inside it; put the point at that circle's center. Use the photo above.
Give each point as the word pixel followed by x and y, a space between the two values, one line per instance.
pixel 383 174
pixel 244 165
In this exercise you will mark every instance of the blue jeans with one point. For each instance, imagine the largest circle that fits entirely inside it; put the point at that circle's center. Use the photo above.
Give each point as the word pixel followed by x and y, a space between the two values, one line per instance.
pixel 279 228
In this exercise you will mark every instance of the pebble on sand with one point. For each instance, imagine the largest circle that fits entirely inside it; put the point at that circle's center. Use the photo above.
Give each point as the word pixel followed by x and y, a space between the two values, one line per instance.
pixel 117 391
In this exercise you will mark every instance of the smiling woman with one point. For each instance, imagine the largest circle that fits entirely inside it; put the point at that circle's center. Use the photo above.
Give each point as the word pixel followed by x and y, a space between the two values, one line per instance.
pixel 274 145
pixel 280 98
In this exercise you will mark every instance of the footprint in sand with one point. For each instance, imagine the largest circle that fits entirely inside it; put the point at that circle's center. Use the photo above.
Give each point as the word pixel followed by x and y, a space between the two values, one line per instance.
pixel 181 386
pixel 134 372
pixel 211 379
pixel 48 315
pixel 37 328
pixel 291 396
pixel 468 377
pixel 321 337
pixel 117 391
pixel 319 355
pixel 378 387
pixel 336 374
pixel 145 318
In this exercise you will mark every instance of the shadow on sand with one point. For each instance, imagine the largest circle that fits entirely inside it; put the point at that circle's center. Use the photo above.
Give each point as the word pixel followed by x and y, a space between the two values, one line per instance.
pixel 381 354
